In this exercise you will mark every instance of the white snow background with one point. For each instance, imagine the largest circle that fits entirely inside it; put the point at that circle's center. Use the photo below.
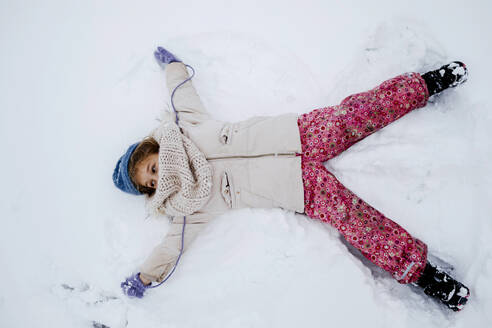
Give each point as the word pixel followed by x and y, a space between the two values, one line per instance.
pixel 79 83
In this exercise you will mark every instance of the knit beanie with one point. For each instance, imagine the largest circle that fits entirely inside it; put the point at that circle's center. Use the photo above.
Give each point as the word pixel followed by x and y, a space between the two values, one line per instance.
pixel 121 178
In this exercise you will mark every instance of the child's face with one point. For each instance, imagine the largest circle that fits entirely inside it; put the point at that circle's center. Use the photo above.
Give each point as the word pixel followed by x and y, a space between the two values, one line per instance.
pixel 147 171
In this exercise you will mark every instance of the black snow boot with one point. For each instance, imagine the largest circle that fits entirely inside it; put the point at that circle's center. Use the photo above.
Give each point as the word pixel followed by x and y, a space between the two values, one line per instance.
pixel 448 76
pixel 439 284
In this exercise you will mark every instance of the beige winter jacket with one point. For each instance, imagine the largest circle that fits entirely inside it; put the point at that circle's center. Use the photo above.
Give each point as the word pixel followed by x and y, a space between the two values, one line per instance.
pixel 254 164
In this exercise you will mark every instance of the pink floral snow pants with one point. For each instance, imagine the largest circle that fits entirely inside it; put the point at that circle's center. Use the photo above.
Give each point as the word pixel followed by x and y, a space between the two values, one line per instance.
pixel 325 133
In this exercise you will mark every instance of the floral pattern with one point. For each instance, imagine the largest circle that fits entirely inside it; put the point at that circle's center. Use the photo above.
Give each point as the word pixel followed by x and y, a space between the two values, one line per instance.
pixel 325 133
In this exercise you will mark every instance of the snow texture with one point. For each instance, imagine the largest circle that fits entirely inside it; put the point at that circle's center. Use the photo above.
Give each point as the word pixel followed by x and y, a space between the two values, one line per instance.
pixel 79 84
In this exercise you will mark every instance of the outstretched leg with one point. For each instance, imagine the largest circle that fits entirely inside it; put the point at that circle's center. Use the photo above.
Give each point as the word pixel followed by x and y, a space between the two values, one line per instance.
pixel 326 132
pixel 380 240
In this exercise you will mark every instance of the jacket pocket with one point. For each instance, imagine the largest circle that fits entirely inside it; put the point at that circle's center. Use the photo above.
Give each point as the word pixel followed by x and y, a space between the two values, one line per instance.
pixel 226 190
pixel 226 134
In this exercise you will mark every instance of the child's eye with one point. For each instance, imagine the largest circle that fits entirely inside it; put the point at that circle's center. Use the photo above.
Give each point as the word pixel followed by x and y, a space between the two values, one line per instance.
pixel 153 169
pixel 152 184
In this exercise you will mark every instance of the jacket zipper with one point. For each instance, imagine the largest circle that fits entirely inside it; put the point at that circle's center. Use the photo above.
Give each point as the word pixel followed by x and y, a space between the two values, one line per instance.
pixel 253 156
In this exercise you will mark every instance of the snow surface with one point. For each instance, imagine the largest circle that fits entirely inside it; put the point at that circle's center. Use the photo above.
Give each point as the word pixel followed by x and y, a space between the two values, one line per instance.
pixel 79 84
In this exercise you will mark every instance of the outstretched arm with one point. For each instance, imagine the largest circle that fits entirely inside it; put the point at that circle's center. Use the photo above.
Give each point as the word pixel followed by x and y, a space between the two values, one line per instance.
pixel 186 100
pixel 163 257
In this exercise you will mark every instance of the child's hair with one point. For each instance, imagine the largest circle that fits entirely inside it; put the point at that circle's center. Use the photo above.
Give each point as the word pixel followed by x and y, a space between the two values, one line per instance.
pixel 147 147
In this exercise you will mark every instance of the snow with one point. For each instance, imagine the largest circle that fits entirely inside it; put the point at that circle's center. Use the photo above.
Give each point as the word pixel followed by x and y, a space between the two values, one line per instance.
pixel 463 292
pixel 459 71
pixel 79 84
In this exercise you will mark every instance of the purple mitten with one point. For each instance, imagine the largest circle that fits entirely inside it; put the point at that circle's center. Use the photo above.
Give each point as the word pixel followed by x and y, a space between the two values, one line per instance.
pixel 164 57
pixel 133 286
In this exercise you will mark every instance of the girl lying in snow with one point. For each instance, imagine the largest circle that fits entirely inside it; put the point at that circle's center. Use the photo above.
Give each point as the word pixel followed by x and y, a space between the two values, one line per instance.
pixel 194 168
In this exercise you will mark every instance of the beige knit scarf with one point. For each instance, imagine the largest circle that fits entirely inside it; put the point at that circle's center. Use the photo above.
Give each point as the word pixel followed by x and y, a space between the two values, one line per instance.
pixel 185 176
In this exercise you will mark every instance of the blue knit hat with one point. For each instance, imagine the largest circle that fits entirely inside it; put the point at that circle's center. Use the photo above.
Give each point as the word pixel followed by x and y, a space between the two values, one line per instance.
pixel 121 178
